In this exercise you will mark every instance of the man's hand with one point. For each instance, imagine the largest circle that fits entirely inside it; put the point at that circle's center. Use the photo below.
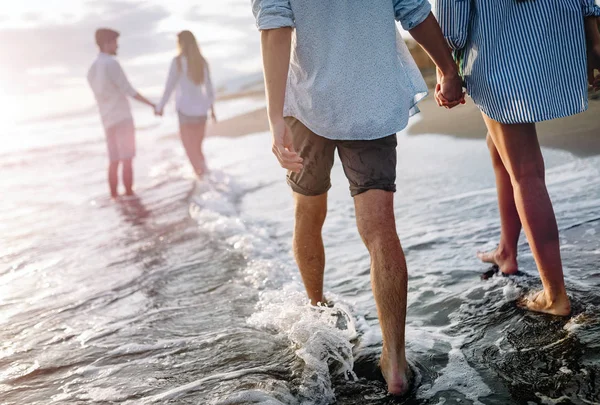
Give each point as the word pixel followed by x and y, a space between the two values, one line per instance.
pixel 449 90
pixel 144 100
pixel 428 34
pixel 283 148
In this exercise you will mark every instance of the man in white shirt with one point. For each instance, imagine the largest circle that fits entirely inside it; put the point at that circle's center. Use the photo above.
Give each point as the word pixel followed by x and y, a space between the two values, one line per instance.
pixel 111 88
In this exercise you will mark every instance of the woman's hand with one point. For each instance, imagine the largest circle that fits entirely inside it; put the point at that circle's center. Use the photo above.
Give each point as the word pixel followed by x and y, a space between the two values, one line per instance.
pixel 449 89
pixel 283 147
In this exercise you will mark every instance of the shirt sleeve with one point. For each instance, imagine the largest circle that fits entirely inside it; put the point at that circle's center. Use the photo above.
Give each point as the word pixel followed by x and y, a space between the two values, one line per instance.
pixel 272 14
pixel 210 90
pixel 590 9
pixel 453 17
pixel 411 13
pixel 117 76
pixel 172 80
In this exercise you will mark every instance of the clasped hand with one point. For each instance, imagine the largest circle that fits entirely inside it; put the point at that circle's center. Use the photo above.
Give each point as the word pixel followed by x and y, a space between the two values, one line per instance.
pixel 449 90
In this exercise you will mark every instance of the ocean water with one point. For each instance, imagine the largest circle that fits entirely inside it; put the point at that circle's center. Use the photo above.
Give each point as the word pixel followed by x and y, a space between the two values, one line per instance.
pixel 189 294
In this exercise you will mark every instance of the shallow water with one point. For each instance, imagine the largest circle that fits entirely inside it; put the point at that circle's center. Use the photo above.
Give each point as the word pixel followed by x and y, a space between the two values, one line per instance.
pixel 189 294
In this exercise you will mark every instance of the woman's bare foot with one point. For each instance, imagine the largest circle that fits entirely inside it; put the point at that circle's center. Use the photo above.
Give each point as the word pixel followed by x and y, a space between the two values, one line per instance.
pixel 507 263
pixel 539 302
pixel 397 375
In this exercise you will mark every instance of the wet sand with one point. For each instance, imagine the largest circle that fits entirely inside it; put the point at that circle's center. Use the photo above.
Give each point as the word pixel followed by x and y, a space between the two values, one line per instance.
pixel 240 125
pixel 579 134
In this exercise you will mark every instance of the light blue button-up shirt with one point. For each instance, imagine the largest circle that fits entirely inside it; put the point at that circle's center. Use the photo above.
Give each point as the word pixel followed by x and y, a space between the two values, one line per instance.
pixel 351 75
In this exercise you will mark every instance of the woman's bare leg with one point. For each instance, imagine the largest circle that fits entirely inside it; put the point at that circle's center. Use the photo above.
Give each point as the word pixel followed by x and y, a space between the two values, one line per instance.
pixel 505 255
pixel 201 134
pixel 520 152
pixel 190 144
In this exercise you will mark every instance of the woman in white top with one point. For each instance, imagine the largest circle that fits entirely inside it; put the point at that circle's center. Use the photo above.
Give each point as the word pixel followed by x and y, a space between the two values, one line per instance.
pixel 189 76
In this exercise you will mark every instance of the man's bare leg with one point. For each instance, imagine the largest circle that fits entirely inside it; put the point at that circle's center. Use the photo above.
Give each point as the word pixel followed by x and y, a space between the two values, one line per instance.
pixel 113 178
pixel 308 243
pixel 519 149
pixel 128 176
pixel 389 279
pixel 505 255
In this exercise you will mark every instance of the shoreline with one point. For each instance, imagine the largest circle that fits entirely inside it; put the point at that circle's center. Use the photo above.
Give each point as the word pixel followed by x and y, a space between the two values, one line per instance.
pixel 578 134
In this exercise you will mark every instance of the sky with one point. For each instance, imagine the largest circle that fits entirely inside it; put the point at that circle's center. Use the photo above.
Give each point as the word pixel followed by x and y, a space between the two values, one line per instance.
pixel 47 47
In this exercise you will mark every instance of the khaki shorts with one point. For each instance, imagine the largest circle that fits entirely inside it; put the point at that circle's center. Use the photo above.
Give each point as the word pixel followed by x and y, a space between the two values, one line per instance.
pixel 368 164
pixel 120 140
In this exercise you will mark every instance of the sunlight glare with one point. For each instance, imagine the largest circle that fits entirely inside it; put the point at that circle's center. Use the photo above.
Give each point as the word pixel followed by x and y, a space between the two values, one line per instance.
pixel 9 113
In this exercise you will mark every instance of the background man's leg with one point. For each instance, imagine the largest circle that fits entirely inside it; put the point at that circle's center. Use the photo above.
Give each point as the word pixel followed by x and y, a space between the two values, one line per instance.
pixel 113 178
pixel 128 176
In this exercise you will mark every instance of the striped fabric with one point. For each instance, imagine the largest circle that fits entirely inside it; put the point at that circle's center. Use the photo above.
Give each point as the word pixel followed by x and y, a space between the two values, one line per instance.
pixel 522 61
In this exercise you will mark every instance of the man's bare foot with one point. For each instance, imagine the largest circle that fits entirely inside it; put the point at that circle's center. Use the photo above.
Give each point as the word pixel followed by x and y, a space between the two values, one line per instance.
pixel 539 302
pixel 397 376
pixel 129 193
pixel 507 263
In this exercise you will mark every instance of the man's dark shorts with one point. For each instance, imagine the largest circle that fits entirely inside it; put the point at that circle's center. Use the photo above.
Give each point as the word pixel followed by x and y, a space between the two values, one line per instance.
pixel 368 165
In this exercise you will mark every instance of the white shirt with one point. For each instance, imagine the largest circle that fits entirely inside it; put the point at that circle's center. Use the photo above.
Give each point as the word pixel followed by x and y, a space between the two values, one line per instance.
pixel 351 75
pixel 191 99
pixel 111 88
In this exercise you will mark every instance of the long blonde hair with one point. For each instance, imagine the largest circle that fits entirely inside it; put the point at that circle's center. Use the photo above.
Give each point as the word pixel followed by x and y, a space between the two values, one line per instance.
pixel 196 64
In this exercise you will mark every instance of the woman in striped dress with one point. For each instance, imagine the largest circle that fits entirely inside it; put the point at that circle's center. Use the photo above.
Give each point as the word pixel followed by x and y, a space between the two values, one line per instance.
pixel 524 61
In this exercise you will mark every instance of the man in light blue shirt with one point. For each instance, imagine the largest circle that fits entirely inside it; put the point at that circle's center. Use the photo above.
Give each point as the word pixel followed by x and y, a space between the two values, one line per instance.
pixel 339 76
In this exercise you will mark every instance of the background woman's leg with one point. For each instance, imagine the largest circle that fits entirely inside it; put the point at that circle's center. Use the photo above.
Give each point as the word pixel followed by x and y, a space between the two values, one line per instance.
pixel 520 152
pixel 201 134
pixel 188 133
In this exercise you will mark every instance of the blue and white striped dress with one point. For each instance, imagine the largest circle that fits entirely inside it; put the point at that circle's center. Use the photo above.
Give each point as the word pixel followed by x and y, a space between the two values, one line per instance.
pixel 522 61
